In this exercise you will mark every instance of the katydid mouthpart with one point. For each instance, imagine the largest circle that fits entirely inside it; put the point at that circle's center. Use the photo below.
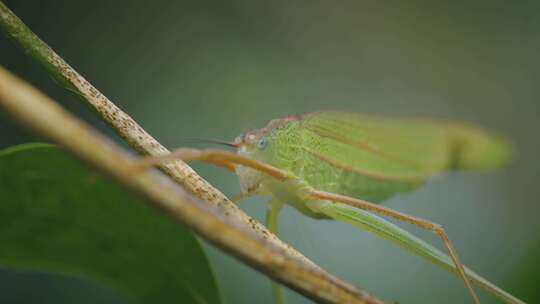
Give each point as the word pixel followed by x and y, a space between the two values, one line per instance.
pixel 336 165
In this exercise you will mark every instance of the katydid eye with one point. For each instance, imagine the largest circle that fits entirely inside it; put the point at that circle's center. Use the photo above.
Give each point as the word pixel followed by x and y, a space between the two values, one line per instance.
pixel 261 143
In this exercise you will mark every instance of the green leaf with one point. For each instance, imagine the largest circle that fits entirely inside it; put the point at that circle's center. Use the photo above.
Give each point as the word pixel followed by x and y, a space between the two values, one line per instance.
pixel 58 216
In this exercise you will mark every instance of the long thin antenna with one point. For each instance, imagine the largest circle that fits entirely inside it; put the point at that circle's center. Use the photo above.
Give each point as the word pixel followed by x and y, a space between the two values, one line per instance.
pixel 211 141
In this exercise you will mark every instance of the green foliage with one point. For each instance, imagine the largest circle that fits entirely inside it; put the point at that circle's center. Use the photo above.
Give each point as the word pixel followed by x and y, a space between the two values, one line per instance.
pixel 58 216
pixel 526 278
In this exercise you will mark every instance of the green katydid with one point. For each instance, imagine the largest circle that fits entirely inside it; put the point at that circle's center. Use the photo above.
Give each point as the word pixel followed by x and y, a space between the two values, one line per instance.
pixel 336 165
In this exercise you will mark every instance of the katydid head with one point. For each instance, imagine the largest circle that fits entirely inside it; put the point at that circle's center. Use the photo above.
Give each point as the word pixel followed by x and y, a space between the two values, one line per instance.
pixel 251 144
pixel 257 144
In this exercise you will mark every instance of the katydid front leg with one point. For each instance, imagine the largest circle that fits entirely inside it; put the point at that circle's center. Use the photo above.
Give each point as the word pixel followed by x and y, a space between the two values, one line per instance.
pixel 229 161
pixel 219 158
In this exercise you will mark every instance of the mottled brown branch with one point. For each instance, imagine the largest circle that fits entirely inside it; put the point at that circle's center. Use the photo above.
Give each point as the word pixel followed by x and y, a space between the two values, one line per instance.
pixel 239 234
pixel 36 111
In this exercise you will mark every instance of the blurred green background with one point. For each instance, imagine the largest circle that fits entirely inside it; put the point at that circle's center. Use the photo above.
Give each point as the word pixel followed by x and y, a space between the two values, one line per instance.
pixel 213 69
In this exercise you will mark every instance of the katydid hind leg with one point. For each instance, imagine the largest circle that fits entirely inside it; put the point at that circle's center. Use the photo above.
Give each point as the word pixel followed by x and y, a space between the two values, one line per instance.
pixel 421 223
pixel 272 213
pixel 372 223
